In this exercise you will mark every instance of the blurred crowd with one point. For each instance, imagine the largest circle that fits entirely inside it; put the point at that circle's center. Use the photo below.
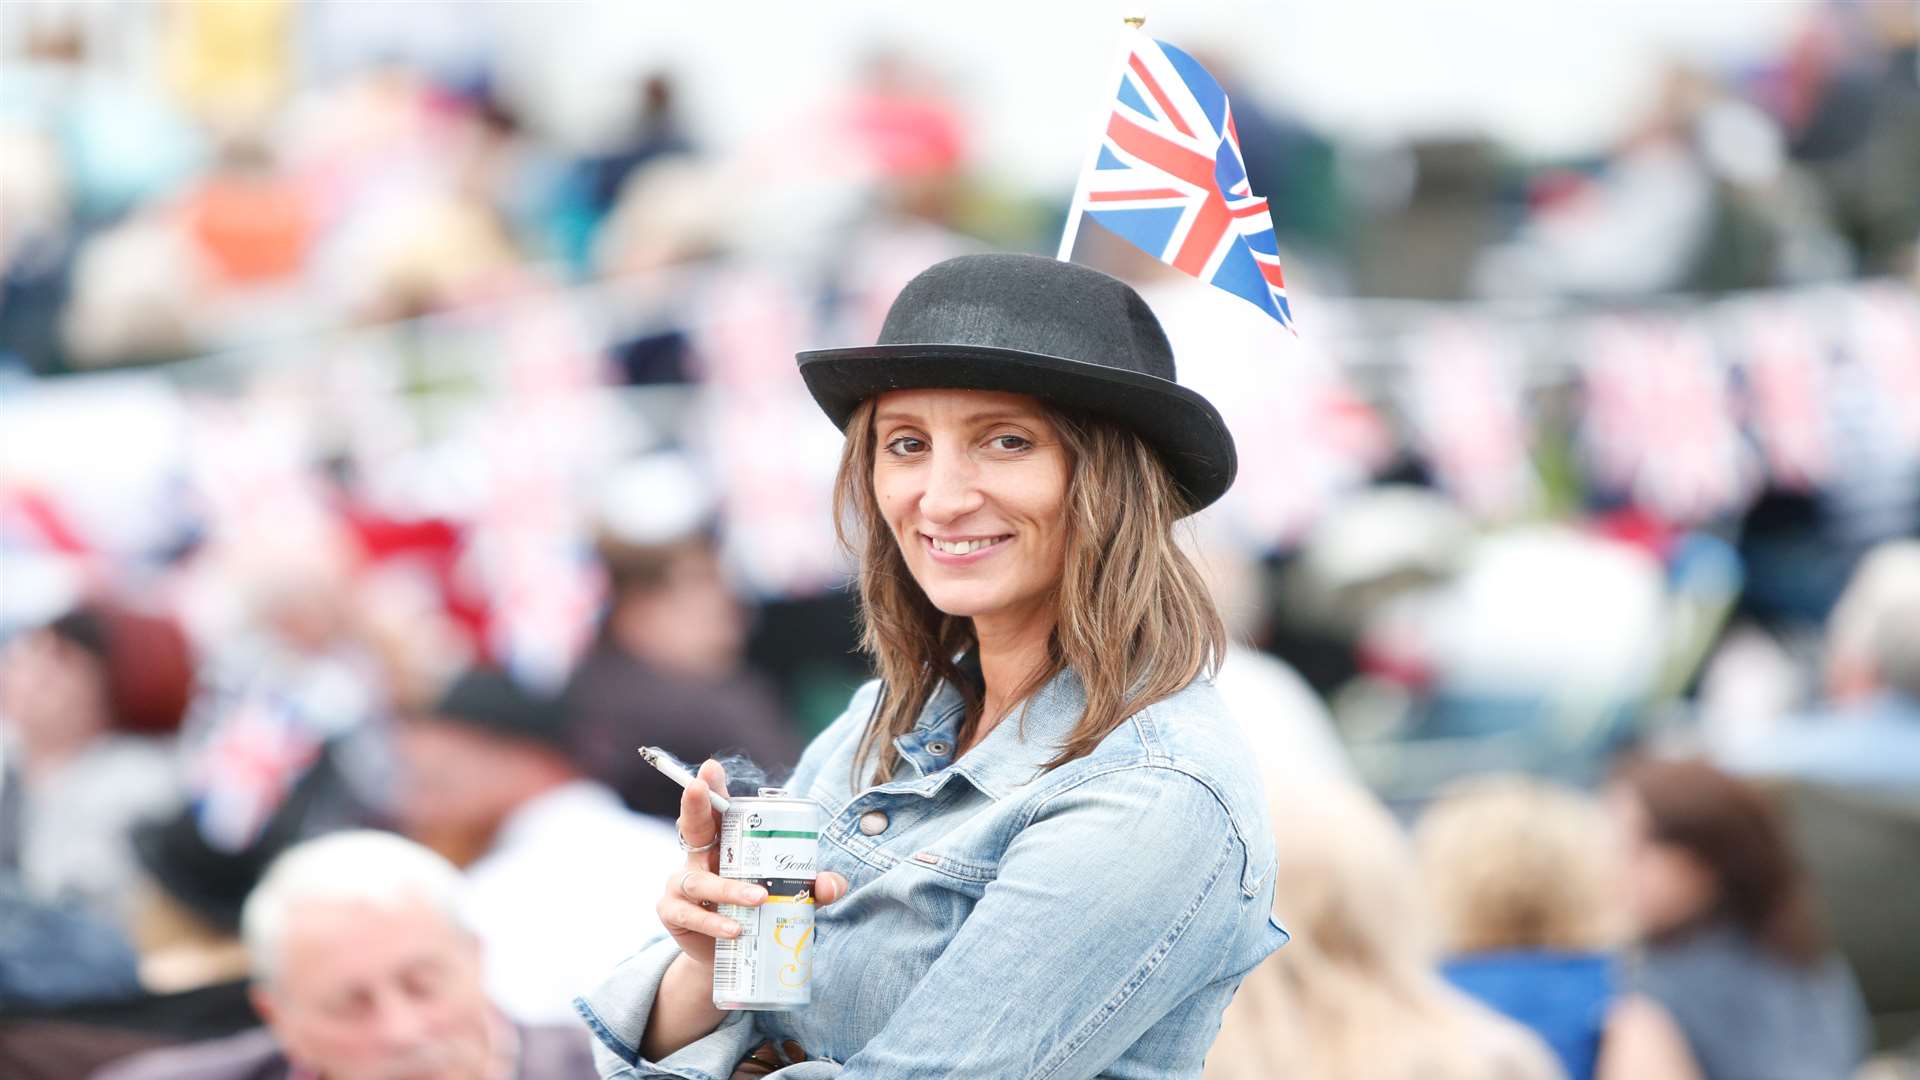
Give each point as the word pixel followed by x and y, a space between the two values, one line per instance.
pixel 383 469
pixel 198 136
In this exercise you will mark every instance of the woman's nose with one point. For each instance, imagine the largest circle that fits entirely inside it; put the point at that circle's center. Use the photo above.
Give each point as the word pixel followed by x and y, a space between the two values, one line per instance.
pixel 952 489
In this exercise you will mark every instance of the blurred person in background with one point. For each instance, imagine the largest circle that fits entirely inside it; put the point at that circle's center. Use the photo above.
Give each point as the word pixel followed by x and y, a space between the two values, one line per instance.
pixel 1524 881
pixel 119 311
pixel 1355 995
pixel 1850 97
pixel 553 861
pixel 36 248
pixel 1690 199
pixel 899 123
pixel 667 668
pixel 364 966
pixel 89 704
pixel 1846 777
pixel 187 925
pixel 1730 942
pixel 191 967
pixel 1867 731
pixel 657 130
pixel 53 956
pixel 1285 722
pixel 500 161
pixel 297 674
pixel 247 218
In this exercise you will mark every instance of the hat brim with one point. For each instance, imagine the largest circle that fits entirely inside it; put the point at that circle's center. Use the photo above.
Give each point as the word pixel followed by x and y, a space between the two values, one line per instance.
pixel 1183 426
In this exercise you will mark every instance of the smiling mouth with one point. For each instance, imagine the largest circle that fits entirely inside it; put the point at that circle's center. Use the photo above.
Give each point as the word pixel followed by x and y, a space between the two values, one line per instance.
pixel 966 547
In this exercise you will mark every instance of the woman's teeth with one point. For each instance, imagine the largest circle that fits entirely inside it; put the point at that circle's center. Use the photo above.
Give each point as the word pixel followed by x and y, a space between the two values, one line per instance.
pixel 964 547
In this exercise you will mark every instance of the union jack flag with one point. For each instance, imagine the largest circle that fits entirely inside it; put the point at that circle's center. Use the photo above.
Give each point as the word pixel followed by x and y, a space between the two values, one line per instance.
pixel 1171 180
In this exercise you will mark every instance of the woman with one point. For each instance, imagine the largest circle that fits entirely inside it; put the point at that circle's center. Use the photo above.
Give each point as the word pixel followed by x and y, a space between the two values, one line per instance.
pixel 1356 996
pixel 1044 850
pixel 1524 881
pixel 1732 947
pixel 89 704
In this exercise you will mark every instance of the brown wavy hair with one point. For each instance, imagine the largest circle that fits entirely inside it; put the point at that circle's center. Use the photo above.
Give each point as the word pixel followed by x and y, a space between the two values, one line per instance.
pixel 1134 620
pixel 1734 831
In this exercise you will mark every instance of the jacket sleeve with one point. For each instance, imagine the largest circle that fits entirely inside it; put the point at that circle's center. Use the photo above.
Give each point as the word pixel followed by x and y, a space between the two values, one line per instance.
pixel 618 1010
pixel 1118 902
pixel 616 1013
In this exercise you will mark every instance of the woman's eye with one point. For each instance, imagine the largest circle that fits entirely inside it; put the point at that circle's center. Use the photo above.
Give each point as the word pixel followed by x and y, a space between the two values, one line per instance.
pixel 1010 442
pixel 904 445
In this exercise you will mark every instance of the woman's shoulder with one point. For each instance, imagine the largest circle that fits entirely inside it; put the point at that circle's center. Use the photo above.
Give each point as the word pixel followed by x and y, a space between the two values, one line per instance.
pixel 1185 746
pixel 1190 731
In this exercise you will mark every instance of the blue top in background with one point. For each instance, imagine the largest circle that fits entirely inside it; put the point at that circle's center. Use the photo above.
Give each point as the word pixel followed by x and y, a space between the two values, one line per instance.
pixel 1562 997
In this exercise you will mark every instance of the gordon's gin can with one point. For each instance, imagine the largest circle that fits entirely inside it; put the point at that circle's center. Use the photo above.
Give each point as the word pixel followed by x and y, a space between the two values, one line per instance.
pixel 774 842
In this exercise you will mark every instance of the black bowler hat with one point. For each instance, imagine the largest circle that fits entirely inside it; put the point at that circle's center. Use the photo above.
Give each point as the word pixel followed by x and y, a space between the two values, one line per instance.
pixel 1033 325
pixel 489 700
pixel 213 882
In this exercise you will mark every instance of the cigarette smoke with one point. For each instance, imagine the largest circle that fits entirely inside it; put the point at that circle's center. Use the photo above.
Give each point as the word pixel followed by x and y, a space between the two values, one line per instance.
pixel 744 777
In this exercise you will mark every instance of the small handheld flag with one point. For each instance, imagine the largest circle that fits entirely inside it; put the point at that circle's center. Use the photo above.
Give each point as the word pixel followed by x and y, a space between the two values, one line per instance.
pixel 1169 177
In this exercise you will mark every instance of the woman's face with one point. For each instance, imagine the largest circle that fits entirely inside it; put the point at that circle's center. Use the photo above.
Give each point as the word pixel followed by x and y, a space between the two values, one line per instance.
pixel 973 486
pixel 52 692
pixel 1665 884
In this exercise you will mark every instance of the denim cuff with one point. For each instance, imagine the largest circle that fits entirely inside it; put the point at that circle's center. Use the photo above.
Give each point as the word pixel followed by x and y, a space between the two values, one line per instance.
pixel 617 1011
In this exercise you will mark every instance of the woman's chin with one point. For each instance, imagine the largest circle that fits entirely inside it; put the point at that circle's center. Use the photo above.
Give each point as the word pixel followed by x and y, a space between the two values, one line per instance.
pixel 961 603
pixel 958 609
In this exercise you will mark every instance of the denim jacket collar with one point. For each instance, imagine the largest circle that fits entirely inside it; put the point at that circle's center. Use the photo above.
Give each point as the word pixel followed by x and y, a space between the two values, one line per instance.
pixel 1014 752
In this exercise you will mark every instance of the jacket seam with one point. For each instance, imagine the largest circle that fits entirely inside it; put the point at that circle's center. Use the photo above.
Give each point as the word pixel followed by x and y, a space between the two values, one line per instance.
pixel 1112 1006
pixel 1239 834
pixel 1249 881
pixel 1148 734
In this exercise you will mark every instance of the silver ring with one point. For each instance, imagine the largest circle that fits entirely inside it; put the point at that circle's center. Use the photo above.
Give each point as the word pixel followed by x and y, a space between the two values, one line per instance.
pixel 684 846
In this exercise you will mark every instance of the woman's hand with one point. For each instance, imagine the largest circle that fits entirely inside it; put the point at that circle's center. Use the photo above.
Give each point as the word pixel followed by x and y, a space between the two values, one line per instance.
pixel 686 909
pixel 683 1009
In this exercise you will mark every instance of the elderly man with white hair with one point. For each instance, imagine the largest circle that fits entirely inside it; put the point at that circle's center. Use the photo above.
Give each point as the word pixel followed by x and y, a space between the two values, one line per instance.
pixel 364 969
pixel 1870 733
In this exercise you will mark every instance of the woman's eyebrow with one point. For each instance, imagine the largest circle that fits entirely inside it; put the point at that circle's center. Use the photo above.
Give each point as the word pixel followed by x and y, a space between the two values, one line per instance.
pixel 983 419
pixel 976 419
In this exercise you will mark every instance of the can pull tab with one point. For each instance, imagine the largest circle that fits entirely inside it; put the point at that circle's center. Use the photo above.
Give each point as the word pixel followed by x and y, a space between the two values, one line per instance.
pixel 773 793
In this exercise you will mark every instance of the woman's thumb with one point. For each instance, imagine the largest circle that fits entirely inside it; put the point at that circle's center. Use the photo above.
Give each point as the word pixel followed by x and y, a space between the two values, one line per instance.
pixel 828 887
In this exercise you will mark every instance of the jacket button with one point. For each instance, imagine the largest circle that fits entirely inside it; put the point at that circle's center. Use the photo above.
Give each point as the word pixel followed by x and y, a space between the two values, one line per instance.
pixel 938 748
pixel 873 822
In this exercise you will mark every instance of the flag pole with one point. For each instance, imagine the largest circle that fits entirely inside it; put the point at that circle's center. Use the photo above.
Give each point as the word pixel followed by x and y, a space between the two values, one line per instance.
pixel 1076 208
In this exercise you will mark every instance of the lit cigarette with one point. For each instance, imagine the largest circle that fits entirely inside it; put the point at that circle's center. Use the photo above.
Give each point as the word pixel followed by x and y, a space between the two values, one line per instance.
pixel 673 770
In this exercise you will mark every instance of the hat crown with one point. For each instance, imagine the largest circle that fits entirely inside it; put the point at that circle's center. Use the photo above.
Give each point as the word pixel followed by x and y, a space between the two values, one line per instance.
pixel 1033 304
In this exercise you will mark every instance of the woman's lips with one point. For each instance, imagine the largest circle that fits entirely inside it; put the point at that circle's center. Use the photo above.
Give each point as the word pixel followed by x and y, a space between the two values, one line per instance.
pixel 977 550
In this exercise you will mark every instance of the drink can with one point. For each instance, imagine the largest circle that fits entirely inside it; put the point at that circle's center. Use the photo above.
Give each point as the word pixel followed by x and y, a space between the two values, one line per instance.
pixel 773 841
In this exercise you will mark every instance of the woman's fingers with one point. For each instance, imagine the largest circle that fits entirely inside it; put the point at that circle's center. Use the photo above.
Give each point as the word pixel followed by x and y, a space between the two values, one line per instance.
pixel 699 887
pixel 699 825
pixel 713 775
pixel 828 887
pixel 682 917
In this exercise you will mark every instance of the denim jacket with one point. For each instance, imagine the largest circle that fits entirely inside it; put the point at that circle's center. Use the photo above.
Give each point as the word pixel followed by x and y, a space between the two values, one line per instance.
pixel 1004 922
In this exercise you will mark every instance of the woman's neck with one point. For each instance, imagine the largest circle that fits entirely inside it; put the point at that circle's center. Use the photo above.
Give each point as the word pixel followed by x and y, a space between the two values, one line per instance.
pixel 1012 651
